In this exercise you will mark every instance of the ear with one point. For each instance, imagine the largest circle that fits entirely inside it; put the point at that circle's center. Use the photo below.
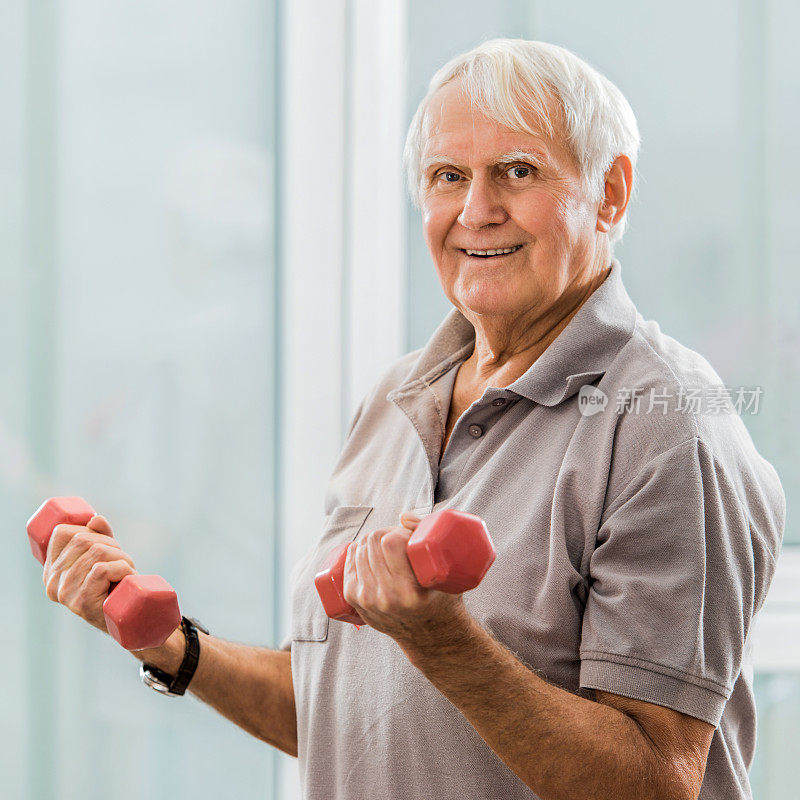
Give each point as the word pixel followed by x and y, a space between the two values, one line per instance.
pixel 617 193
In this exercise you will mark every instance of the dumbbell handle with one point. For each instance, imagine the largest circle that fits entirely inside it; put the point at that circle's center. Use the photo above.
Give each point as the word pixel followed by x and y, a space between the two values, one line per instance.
pixel 141 611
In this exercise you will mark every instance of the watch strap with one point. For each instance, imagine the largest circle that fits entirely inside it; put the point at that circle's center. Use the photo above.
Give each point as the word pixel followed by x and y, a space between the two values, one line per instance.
pixel 190 658
pixel 175 686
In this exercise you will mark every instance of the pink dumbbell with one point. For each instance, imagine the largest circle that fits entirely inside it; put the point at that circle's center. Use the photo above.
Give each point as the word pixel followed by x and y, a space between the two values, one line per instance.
pixel 449 550
pixel 141 611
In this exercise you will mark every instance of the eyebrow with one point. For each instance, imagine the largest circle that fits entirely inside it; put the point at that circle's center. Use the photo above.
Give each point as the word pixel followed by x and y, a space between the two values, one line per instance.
pixel 504 158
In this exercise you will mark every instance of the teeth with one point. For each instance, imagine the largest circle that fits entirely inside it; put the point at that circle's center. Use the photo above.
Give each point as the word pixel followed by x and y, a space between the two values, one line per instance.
pixel 493 252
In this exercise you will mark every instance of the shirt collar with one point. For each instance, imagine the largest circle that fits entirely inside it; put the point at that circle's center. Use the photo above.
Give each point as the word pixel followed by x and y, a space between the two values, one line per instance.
pixel 578 355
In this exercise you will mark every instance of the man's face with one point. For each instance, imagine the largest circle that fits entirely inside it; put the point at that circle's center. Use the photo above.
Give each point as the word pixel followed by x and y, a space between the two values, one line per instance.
pixel 487 187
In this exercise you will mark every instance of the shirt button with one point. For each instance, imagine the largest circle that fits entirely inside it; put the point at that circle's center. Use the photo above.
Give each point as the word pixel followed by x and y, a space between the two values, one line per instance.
pixel 499 401
pixel 475 430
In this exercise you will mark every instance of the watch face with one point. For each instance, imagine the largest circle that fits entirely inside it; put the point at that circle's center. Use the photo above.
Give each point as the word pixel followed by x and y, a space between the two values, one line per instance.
pixel 149 679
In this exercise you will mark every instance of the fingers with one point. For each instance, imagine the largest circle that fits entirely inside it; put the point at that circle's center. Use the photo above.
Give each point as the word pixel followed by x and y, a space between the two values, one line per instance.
pixel 82 575
pixel 394 551
pixel 377 572
pixel 373 558
pixel 409 520
pixel 100 524
pixel 361 581
pixel 59 539
pixel 65 577
pixel 87 601
pixel 350 585
pixel 71 542
pixel 62 535
pixel 101 575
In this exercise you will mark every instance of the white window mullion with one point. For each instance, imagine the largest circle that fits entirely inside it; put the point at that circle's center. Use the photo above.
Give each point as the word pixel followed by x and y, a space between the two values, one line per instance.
pixel 312 230
pixel 376 238
pixel 776 636
pixel 342 215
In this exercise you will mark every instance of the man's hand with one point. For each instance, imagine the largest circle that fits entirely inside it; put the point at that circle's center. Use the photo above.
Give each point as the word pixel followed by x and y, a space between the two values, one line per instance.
pixel 82 563
pixel 380 584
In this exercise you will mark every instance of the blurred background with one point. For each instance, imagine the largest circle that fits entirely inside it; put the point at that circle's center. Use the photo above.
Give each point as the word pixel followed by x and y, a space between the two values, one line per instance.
pixel 207 258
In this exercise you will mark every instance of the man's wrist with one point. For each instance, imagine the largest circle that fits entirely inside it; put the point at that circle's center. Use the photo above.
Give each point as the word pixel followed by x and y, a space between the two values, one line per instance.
pixel 169 656
pixel 445 639
pixel 176 685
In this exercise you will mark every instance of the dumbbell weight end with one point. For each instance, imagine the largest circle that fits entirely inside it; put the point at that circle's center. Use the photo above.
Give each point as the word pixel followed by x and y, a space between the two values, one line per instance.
pixel 330 587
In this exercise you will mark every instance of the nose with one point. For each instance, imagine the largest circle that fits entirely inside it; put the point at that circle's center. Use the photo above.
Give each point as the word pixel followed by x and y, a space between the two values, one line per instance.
pixel 482 205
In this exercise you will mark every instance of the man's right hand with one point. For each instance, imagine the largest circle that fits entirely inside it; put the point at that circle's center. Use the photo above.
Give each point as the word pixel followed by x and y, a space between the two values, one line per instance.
pixel 251 686
pixel 82 564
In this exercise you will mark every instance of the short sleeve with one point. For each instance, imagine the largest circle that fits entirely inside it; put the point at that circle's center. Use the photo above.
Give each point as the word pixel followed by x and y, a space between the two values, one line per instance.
pixel 678 572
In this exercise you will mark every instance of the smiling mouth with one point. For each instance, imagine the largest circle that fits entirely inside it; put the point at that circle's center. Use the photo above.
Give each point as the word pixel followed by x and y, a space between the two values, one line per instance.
pixel 505 251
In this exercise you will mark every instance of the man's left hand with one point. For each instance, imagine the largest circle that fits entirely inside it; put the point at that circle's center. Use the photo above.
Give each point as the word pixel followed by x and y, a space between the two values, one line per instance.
pixel 381 586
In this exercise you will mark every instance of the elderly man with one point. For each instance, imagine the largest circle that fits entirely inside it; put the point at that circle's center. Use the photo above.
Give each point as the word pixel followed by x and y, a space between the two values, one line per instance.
pixel 606 652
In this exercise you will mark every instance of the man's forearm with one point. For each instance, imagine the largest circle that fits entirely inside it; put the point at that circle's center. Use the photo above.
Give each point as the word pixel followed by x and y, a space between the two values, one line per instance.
pixel 251 686
pixel 561 745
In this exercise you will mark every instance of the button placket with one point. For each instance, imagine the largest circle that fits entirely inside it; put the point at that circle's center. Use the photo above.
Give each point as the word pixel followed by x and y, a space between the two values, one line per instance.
pixel 474 429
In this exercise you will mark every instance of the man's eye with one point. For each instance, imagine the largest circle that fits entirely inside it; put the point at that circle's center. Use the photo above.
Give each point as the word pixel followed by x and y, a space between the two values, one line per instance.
pixel 519 172
pixel 449 177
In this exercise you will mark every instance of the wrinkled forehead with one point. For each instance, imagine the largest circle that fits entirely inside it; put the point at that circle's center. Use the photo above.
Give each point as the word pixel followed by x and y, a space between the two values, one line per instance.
pixel 453 116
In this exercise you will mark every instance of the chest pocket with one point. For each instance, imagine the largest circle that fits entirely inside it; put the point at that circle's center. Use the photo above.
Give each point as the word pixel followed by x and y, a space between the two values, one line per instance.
pixel 309 620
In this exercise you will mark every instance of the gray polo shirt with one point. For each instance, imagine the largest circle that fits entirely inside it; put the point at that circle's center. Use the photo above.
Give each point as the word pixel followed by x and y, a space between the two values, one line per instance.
pixel 635 539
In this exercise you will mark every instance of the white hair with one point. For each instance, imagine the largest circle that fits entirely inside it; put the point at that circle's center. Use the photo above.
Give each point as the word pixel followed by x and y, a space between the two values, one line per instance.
pixel 511 81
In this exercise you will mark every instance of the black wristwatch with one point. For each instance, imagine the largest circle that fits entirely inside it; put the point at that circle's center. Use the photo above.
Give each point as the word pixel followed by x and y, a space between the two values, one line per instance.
pixel 175 686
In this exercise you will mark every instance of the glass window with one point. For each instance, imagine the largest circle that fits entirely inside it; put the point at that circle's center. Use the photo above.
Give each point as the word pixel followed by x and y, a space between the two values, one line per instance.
pixel 137 360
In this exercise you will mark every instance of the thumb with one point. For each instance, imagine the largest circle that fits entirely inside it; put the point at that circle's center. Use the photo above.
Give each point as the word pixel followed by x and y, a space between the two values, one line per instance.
pixel 409 520
pixel 100 525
